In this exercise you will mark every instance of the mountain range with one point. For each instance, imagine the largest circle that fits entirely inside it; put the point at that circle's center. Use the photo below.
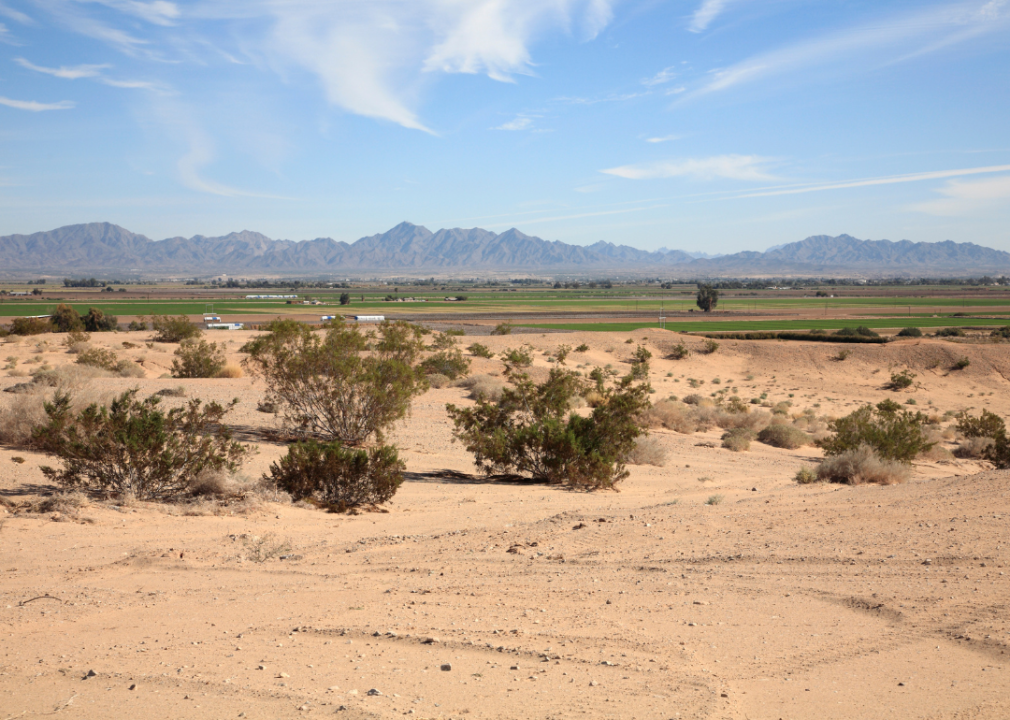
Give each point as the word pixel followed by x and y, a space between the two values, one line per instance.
pixel 104 248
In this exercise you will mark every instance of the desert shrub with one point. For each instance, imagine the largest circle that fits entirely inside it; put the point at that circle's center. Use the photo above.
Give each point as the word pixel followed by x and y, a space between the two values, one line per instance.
pixel 861 331
pixel 177 391
pixel 98 321
pixel 739 420
pixel 518 357
pixel 198 359
pixel 901 380
pixel 988 426
pixel 562 353
pixel 1003 332
pixel 231 372
pixel 337 476
pixel 484 386
pixel 781 435
pixel 20 415
pixel 65 319
pixel 647 451
pixel 890 431
pixel 640 363
pixel 133 447
pixel 531 430
pixel 910 332
pixel 714 500
pixel 693 399
pixel 29 326
pixel 75 339
pixel 582 348
pixel 805 476
pixel 738 439
pixel 679 352
pixel 949 332
pixel 448 362
pixel 437 380
pixel 137 325
pixel 841 355
pixel 128 368
pixel 962 363
pixel 861 465
pixel 708 347
pixel 936 454
pixel 170 329
pixel 342 384
pixel 671 415
pixel 478 350
pixel 100 358
pixel 504 328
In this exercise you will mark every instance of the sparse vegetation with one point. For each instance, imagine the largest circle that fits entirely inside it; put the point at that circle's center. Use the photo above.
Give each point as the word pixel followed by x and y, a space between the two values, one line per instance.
pixel 949 332
pixel 841 355
pixel 336 476
pixel 340 384
pixel 132 447
pixel 170 329
pixel 679 352
pixel 530 431
pixel 987 426
pixel 100 358
pixel 961 364
pixel 890 431
pixel 478 350
pixel 448 359
pixel 518 357
pixel 647 451
pixel 861 465
pixel 910 332
pixel 198 359
pixel 504 328
pixel 582 348
pixel 738 439
pixel 714 500
pixel 901 380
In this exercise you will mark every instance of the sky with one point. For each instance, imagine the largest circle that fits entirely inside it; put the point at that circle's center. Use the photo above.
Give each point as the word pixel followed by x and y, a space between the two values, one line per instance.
pixel 704 125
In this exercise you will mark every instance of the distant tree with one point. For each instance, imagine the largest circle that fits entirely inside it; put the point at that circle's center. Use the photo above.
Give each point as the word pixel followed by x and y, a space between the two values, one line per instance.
pixel 65 319
pixel 97 321
pixel 345 298
pixel 708 297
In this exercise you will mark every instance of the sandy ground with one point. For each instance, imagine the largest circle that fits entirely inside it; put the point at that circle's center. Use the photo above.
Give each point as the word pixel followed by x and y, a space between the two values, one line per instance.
pixel 472 599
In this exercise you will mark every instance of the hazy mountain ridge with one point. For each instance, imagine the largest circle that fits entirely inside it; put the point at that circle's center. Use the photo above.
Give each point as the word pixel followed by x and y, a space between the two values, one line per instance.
pixel 107 248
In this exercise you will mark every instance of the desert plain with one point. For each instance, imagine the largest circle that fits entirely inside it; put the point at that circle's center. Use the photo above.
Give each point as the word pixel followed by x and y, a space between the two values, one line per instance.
pixel 712 586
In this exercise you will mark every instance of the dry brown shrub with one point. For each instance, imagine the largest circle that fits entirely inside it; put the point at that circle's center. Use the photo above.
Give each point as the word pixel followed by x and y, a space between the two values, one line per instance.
pixel 78 347
pixel 19 415
pixel 860 466
pixel 230 371
pixel 973 448
pixel 125 368
pixel 210 483
pixel 936 454
pixel 694 399
pixel 66 503
pixel 485 386
pixel 781 435
pixel 647 451
pixel 749 420
pixel 437 380
pixel 671 415
pixel 592 398
pixel 738 439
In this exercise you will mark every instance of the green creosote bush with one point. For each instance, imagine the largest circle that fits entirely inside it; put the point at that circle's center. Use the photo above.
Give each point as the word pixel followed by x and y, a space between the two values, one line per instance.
pixel 562 353
pixel 962 364
pixel 99 357
pixel 582 348
pixel 783 436
pixel 169 329
pixel 1003 332
pixel 709 347
pixel 805 476
pixel 336 476
pixel 341 383
pixel 478 350
pixel 890 431
pixel 949 332
pixel 901 380
pixel 988 426
pixel 910 332
pixel 133 447
pixel 448 359
pixel 504 328
pixel 76 337
pixel 531 431
pixel 136 325
pixel 861 331
pixel 518 357
pixel 198 359
pixel 679 352
pixel 714 500
pixel 841 355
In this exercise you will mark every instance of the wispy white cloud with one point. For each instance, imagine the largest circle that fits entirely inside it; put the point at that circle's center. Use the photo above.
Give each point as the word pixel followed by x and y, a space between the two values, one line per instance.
pixel 705 14
pixel 962 198
pixel 662 77
pixel 67 73
pixel 73 16
pixel 521 122
pixel 731 167
pixel 132 84
pixel 874 181
pixel 33 106
pixel 15 15
pixel 665 138
pixel 927 30
pixel 158 12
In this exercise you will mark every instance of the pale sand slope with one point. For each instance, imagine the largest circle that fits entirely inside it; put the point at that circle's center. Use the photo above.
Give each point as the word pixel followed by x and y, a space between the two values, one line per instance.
pixel 780 602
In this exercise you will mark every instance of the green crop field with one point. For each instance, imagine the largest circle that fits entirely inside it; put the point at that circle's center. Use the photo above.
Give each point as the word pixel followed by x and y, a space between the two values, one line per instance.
pixel 774 325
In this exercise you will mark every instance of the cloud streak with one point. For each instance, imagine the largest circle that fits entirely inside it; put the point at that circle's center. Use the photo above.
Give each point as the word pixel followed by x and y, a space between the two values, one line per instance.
pixel 929 30
pixel 968 197
pixel 33 106
pixel 522 122
pixel 729 167
pixel 67 73
pixel 705 14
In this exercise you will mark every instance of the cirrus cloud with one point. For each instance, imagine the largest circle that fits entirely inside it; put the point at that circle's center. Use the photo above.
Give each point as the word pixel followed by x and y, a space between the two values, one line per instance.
pixel 33 106
pixel 730 167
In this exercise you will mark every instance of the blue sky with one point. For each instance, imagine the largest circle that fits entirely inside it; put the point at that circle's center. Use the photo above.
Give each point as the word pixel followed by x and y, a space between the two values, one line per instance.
pixel 710 125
